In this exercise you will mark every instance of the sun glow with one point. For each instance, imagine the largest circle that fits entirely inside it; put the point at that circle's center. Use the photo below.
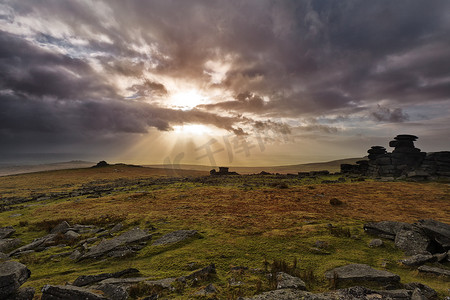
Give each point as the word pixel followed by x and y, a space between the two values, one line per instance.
pixel 193 129
pixel 186 100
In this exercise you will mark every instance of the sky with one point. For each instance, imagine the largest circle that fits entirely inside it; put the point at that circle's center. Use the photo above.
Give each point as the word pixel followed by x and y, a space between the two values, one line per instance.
pixel 234 83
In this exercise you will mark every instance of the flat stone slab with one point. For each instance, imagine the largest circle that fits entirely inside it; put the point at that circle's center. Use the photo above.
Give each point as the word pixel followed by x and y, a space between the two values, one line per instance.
pixel 434 270
pixel 412 242
pixel 65 292
pixel 386 229
pixel 12 275
pixel 9 244
pixel 84 280
pixel 133 236
pixel 6 232
pixel 175 237
pixel 438 231
pixel 282 294
pixel 34 244
pixel 417 260
pixel 361 272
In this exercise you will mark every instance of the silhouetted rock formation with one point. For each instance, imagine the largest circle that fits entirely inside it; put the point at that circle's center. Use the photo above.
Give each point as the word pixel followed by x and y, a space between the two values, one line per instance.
pixel 222 171
pixel 101 164
pixel 405 160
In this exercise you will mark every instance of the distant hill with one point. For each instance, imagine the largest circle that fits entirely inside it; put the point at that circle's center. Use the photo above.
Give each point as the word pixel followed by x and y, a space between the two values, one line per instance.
pixel 21 169
pixel 332 166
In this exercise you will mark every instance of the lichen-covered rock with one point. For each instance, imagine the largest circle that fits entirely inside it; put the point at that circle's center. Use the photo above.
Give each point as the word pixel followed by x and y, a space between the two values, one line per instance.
pixel 6 232
pixel 12 275
pixel 437 231
pixel 84 280
pixel 412 242
pixel 26 293
pixel 434 270
pixel 417 260
pixel 386 229
pixel 286 281
pixel 61 227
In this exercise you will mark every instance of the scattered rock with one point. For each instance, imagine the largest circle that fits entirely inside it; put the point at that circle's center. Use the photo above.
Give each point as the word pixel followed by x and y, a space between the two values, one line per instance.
pixel 165 283
pixel 118 227
pixel 315 250
pixel 424 290
pixel 321 244
pixel 437 231
pixel 7 245
pixel 175 237
pixel 26 293
pixel 6 232
pixel 133 236
pixel 286 281
pixel 124 281
pixel 417 260
pixel 61 227
pixel 375 243
pixel 386 229
pixel 434 270
pixel 113 292
pixel 440 257
pixel 84 280
pixel 206 291
pixel 202 274
pixel 282 294
pixel 412 242
pixel 37 244
pixel 361 272
pixel 336 202
pixel 75 255
pixel 65 292
pixel 71 235
pixel 12 275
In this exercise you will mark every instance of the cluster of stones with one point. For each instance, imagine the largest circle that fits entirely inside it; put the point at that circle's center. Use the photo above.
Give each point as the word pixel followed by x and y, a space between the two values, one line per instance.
pixel 405 160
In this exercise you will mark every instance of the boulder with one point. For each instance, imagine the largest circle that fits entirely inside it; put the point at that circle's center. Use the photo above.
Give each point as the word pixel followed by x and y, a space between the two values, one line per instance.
pixel 199 275
pixel 65 292
pixel 434 270
pixel 175 237
pixel 61 227
pixel 424 290
pixel 286 281
pixel 386 229
pixel 437 231
pixel 417 260
pixel 361 272
pixel 282 294
pixel 113 292
pixel 133 236
pixel 165 283
pixel 7 245
pixel 209 290
pixel 26 293
pixel 412 242
pixel 118 227
pixel 6 232
pixel 71 235
pixel 84 280
pixel 12 275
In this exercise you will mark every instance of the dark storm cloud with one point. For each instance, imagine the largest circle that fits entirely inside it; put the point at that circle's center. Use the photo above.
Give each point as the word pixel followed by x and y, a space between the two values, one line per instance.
pixel 297 59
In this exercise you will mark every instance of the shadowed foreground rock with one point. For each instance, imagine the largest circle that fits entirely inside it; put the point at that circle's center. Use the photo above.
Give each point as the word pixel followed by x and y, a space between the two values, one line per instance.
pixel 84 280
pixel 12 275
pixel 361 272
pixel 286 281
pixel 66 292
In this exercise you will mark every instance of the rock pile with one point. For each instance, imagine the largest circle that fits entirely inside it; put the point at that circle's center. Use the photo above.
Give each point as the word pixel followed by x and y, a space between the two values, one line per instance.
pixel 222 171
pixel 405 160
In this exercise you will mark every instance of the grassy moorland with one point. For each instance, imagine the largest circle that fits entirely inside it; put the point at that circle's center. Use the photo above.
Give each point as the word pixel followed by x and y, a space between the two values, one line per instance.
pixel 246 221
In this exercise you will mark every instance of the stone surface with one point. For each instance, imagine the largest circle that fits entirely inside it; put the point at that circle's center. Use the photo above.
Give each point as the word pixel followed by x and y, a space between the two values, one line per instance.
pixel 133 236
pixel 375 243
pixel 118 227
pixel 286 281
pixel 26 293
pixel 386 229
pixel 205 273
pixel 71 235
pixel 424 290
pixel 282 294
pixel 113 292
pixel 209 290
pixel 124 281
pixel 361 272
pixel 6 232
pixel 12 275
pixel 61 227
pixel 175 237
pixel 417 260
pixel 7 245
pixel 66 292
pixel 84 280
pixel 434 270
pixel 437 231
pixel 412 242
pixel 165 283
pixel 37 244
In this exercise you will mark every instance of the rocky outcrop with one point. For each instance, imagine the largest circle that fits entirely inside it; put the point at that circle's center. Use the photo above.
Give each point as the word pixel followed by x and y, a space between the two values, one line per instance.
pixel 361 272
pixel 12 275
pixel 412 242
pixel 106 246
pixel 434 270
pixel 6 232
pixel 222 171
pixel 386 229
pixel 84 280
pixel 417 260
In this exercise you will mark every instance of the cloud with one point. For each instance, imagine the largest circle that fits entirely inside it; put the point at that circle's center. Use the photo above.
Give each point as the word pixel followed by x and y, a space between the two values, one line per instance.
pixel 384 114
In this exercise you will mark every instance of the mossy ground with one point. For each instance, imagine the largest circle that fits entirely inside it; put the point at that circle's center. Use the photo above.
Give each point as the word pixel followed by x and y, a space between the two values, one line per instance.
pixel 246 221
